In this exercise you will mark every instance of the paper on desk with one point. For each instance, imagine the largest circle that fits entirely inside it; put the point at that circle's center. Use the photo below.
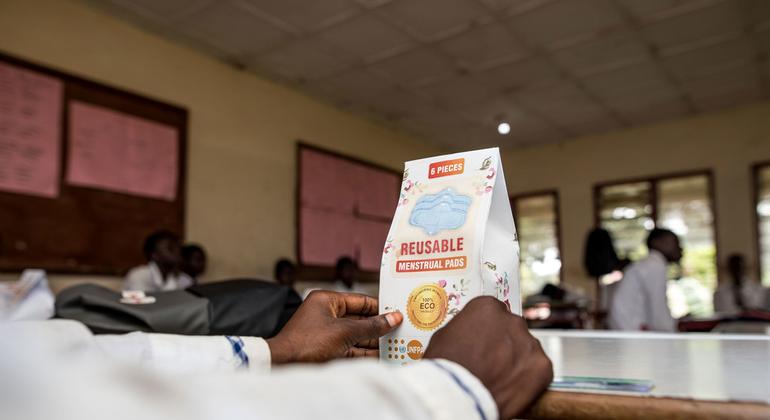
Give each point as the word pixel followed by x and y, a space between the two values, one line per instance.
pixel 30 131
pixel 118 152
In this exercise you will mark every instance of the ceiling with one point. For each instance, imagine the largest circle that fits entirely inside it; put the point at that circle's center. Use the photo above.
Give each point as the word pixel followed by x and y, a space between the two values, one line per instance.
pixel 450 70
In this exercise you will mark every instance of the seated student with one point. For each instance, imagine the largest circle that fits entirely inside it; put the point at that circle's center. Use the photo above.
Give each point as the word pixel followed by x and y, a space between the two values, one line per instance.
pixel 161 273
pixel 57 369
pixel 639 301
pixel 194 261
pixel 344 276
pixel 285 272
pixel 738 292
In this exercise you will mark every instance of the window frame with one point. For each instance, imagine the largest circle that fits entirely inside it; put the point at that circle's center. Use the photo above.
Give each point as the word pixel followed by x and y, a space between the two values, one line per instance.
pixel 557 210
pixel 318 272
pixel 756 168
pixel 654 180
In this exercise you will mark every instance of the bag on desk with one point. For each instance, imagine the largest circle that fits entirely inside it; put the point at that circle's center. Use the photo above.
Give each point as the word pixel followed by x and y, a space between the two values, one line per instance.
pixel 106 311
pixel 452 239
pixel 233 307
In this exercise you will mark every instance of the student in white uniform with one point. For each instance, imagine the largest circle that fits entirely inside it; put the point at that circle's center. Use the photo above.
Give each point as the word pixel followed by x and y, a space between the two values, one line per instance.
pixel 639 301
pixel 738 292
pixel 58 370
pixel 344 279
pixel 162 271
pixel 194 261
pixel 345 275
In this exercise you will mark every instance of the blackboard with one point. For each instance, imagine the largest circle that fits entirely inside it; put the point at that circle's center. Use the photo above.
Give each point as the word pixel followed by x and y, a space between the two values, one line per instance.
pixel 88 230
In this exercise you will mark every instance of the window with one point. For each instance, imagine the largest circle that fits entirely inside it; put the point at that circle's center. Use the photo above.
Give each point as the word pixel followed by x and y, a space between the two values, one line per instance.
pixel 344 208
pixel 625 210
pixel 762 196
pixel 681 203
pixel 537 224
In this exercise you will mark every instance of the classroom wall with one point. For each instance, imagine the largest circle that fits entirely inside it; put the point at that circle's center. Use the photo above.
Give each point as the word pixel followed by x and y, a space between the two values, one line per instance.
pixel 241 173
pixel 727 142
pixel 242 133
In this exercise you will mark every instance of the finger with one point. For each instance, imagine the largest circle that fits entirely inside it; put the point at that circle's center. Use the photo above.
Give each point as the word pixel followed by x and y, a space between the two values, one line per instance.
pixel 358 352
pixel 355 317
pixel 375 327
pixel 373 343
pixel 357 304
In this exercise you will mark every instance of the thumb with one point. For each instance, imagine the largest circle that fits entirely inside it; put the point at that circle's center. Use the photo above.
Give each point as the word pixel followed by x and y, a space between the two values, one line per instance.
pixel 376 326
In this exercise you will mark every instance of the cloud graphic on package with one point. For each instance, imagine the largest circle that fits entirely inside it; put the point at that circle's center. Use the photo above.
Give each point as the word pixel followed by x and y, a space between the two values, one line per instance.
pixel 443 211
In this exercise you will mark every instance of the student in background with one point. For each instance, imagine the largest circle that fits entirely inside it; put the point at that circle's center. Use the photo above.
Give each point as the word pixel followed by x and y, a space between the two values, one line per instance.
pixel 344 276
pixel 162 271
pixel 639 301
pixel 344 279
pixel 285 272
pixel 194 261
pixel 738 292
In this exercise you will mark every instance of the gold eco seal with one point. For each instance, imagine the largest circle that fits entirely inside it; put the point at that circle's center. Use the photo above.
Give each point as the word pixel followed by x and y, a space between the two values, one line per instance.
pixel 427 307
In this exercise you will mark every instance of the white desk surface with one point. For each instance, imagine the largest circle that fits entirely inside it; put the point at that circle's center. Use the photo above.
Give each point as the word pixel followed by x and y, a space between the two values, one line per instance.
pixel 711 367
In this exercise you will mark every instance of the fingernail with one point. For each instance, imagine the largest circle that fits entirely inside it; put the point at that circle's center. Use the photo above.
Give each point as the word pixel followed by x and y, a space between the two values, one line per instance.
pixel 394 318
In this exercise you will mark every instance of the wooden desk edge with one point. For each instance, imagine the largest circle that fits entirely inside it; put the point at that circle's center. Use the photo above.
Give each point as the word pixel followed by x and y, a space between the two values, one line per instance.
pixel 577 405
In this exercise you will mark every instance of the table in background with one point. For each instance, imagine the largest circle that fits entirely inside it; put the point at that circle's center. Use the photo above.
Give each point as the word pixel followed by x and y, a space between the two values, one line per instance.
pixel 751 321
pixel 695 375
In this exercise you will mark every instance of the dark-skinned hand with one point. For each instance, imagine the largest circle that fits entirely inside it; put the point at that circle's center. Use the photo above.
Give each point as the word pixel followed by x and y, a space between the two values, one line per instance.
pixel 496 347
pixel 330 325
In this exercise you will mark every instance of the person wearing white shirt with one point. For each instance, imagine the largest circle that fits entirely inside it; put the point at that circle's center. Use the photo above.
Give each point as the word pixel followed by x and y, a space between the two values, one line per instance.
pixel 57 369
pixel 194 261
pixel 739 292
pixel 162 272
pixel 344 279
pixel 639 301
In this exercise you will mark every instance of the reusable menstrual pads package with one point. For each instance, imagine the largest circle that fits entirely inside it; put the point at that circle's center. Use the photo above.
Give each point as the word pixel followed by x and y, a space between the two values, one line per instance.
pixel 452 239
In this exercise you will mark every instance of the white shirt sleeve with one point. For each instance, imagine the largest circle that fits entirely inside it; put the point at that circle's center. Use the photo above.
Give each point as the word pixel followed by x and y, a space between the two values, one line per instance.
pixel 185 354
pixel 184 280
pixel 753 295
pixel 626 305
pixel 139 278
pixel 724 299
pixel 76 384
pixel 658 313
